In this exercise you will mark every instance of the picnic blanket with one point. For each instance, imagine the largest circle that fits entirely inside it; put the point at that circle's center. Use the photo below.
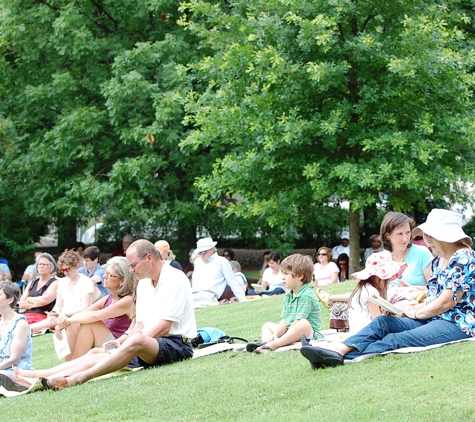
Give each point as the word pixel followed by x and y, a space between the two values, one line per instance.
pixel 333 335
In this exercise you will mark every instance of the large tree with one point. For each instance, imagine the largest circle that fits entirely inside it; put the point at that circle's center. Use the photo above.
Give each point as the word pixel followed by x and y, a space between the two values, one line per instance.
pixel 91 116
pixel 311 103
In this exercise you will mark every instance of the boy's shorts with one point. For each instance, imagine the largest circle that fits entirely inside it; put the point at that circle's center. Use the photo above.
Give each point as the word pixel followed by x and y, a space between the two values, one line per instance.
pixel 170 349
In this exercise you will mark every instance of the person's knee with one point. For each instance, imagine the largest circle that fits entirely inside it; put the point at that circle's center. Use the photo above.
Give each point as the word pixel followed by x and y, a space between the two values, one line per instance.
pixel 135 342
pixel 303 324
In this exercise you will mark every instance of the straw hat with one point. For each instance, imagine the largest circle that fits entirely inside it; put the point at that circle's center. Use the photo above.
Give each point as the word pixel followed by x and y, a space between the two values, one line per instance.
pixel 381 265
pixel 205 244
pixel 445 226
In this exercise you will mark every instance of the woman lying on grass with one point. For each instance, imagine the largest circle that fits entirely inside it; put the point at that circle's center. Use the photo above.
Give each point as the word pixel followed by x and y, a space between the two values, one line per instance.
pixel 446 315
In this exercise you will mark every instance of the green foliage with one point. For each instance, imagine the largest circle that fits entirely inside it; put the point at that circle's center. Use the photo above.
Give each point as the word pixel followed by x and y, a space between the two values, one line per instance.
pixel 311 103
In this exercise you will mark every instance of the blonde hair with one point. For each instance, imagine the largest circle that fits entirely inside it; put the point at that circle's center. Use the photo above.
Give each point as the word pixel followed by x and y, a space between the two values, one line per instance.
pixel 69 257
pixel 121 268
pixel 327 250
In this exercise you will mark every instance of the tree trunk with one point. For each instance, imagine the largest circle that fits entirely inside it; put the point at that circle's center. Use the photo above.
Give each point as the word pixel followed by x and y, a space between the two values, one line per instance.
pixel 354 240
pixel 66 227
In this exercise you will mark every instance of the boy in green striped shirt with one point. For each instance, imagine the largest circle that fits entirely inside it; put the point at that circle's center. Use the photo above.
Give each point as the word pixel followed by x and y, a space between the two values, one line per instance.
pixel 300 313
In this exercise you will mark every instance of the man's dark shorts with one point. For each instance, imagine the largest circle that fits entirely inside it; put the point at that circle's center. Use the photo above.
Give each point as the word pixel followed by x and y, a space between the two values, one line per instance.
pixel 170 349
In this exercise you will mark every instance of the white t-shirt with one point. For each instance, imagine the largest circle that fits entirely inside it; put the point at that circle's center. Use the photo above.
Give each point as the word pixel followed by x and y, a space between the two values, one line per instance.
pixel 273 280
pixel 73 297
pixel 339 249
pixel 358 312
pixel 323 277
pixel 171 300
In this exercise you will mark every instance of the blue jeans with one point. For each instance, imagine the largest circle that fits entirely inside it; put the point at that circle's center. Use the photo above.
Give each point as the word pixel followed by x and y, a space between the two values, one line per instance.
pixel 276 291
pixel 389 333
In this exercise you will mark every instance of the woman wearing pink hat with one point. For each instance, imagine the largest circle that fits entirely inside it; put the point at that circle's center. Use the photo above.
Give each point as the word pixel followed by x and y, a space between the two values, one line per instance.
pixel 446 315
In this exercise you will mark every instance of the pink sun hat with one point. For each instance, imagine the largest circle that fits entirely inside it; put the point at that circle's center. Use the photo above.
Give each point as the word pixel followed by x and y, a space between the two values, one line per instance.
pixel 381 265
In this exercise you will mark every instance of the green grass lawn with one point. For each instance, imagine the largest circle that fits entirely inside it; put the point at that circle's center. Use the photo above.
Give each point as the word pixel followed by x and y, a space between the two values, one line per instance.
pixel 429 386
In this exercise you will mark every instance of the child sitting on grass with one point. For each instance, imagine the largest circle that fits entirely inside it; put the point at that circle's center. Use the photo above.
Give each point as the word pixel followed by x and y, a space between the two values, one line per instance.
pixel 380 270
pixel 301 310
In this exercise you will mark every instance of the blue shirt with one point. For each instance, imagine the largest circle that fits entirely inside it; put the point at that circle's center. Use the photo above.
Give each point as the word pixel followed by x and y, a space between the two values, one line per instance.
pixel 418 258
pixel 99 271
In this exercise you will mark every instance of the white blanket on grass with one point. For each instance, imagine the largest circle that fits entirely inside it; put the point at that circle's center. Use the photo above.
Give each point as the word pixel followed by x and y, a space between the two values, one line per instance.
pixel 333 335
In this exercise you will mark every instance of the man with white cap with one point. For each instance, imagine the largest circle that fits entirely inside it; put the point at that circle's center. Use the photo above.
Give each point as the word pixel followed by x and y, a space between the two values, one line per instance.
pixel 343 247
pixel 213 278
pixel 447 315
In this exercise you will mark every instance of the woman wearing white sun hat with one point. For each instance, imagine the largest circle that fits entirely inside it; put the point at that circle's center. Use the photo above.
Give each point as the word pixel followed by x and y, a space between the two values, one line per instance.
pixel 448 314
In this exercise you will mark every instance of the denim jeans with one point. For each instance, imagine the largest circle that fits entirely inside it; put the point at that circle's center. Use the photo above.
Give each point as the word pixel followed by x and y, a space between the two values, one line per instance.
pixel 276 291
pixel 389 333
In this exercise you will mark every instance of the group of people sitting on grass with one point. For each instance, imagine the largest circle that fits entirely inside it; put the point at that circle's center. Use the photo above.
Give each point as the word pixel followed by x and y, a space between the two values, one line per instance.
pixel 435 296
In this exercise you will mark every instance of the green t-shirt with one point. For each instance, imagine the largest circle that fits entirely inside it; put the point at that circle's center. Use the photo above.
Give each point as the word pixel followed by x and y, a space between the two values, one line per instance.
pixel 303 306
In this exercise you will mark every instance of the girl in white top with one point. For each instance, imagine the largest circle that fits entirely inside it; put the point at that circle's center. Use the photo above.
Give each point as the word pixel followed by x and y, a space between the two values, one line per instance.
pixel 272 278
pixel 379 271
pixel 325 271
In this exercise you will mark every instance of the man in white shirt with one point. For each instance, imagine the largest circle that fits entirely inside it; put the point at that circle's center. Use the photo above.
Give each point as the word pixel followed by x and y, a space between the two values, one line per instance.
pixel 343 247
pixel 213 277
pixel 164 324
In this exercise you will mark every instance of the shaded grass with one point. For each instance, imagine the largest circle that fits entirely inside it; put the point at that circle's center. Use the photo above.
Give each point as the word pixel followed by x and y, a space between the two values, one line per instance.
pixel 278 386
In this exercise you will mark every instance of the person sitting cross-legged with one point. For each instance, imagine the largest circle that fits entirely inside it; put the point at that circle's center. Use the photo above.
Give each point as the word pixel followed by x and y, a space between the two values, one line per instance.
pixel 300 313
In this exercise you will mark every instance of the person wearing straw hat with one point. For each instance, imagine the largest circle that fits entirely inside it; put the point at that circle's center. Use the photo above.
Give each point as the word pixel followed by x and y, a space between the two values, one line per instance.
pixel 447 314
pixel 213 278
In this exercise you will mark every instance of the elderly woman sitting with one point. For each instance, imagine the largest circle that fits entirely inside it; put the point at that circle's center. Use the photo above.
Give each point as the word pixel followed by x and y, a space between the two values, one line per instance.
pixel 446 315
pixel 40 295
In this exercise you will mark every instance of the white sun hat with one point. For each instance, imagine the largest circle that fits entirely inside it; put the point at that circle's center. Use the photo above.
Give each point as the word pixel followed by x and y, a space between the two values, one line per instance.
pixel 205 244
pixel 445 226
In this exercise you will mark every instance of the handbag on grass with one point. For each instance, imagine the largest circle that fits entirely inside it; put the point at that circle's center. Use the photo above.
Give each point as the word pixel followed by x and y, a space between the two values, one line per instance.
pixel 339 316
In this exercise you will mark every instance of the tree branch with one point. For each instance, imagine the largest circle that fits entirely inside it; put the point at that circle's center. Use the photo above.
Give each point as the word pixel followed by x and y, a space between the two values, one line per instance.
pixel 101 9
pixel 366 22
